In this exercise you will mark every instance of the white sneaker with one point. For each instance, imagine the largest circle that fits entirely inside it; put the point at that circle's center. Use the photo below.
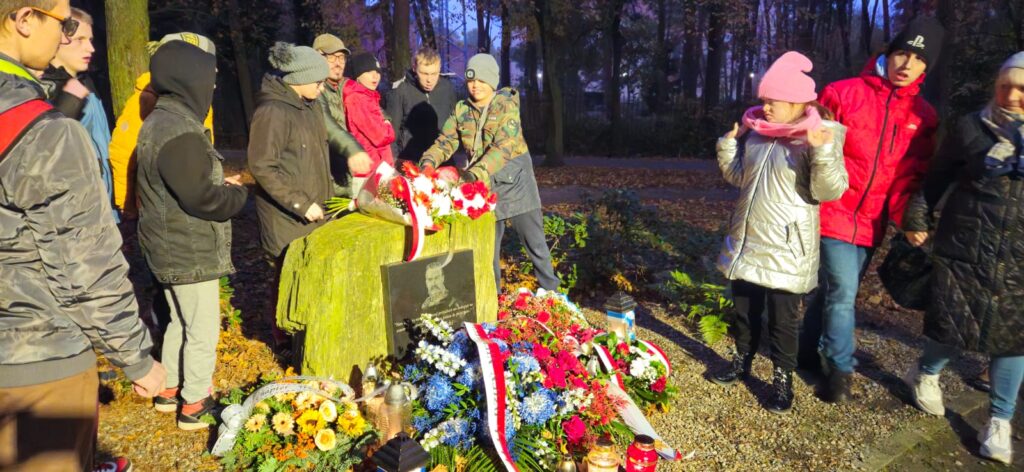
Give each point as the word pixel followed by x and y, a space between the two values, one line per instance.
pixel 996 443
pixel 926 391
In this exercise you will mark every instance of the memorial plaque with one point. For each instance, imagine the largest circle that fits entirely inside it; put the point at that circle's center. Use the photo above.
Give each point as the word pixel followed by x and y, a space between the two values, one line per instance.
pixel 442 285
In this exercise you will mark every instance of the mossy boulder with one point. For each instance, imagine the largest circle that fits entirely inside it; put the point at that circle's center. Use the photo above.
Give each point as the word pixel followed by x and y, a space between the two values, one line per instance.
pixel 332 289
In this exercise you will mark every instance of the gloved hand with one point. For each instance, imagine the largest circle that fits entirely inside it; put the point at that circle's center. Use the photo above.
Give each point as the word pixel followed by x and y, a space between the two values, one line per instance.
pixel 467 176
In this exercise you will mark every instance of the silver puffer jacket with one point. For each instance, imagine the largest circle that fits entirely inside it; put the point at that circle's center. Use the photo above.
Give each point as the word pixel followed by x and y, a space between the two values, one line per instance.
pixel 774 230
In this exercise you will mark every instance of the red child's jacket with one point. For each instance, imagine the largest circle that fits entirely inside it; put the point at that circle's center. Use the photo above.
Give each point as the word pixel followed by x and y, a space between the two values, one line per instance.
pixel 366 122
pixel 889 140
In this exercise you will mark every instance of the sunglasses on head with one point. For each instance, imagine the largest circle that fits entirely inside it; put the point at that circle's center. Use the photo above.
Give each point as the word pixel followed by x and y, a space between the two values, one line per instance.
pixel 68 25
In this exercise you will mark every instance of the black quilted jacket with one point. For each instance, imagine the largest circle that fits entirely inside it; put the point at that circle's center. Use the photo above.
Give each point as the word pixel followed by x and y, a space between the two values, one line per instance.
pixel 978 247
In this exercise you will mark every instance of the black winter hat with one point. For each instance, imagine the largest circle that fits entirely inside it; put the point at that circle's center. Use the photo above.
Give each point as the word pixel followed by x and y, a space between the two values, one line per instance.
pixel 360 64
pixel 923 36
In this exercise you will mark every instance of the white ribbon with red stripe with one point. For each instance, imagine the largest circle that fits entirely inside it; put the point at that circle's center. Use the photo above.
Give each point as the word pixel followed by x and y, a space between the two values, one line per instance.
pixel 492 366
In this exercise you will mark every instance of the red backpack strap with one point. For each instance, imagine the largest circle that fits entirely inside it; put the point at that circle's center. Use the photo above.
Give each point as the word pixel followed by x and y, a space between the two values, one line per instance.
pixel 15 122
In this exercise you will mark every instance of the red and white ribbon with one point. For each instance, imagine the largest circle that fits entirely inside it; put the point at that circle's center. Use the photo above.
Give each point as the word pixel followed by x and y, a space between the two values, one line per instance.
pixel 492 366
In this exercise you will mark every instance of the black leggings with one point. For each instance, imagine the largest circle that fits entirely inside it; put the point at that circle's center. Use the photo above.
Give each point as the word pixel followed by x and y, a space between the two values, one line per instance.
pixel 783 321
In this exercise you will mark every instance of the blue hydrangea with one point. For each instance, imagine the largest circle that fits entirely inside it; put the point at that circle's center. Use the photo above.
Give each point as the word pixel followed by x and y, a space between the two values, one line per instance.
pixel 538 407
pixel 439 393
pixel 523 364
pixel 489 327
pixel 458 432
pixel 423 423
pixel 470 375
pixel 502 345
pixel 412 373
pixel 523 346
pixel 460 344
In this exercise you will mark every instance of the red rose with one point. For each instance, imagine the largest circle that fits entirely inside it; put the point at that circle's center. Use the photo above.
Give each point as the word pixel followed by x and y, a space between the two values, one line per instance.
pixel 659 385
pixel 543 316
pixel 503 315
pixel 619 364
pixel 623 349
pixel 574 429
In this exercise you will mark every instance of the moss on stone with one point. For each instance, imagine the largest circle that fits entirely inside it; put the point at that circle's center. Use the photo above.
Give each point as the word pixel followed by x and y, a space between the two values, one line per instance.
pixel 332 286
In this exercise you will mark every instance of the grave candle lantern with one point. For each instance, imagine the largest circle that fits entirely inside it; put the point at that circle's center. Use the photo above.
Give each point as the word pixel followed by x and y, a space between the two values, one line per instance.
pixel 401 454
pixel 621 318
pixel 398 408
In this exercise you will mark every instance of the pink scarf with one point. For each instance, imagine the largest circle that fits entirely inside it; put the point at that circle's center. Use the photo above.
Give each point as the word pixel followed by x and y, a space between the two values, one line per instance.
pixel 753 118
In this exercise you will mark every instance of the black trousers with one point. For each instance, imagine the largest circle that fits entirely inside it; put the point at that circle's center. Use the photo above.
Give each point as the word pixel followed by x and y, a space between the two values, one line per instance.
pixel 530 228
pixel 783 309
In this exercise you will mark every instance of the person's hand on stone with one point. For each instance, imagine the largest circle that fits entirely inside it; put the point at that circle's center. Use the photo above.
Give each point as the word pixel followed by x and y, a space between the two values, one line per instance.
pixel 152 383
pixel 819 137
pixel 314 213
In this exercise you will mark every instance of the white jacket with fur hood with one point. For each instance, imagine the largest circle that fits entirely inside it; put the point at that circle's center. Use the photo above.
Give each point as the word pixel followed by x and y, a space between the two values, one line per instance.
pixel 774 230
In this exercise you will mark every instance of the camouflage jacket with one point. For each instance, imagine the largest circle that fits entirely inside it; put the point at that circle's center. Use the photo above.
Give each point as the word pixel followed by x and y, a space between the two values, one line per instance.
pixel 501 141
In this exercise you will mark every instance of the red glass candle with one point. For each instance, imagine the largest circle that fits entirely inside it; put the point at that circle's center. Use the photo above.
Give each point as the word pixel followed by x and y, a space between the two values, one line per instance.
pixel 641 456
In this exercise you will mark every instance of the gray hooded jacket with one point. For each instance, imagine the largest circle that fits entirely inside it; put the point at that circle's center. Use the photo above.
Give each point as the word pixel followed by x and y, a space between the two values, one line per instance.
pixel 774 230
pixel 64 286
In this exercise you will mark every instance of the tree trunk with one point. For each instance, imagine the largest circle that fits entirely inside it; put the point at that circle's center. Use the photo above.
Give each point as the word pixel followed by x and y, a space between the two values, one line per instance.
pixel 613 72
pixel 530 68
pixel 865 28
pixel 805 18
pixel 842 7
pixel 661 62
pixel 690 67
pixel 127 35
pixel 886 22
pixel 387 27
pixel 506 46
pixel 425 24
pixel 239 50
pixel 401 58
pixel 483 36
pixel 551 41
pixel 940 89
pixel 716 55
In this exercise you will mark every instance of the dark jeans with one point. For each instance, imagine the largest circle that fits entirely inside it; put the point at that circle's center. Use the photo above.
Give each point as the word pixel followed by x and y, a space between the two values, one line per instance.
pixel 530 227
pixel 783 321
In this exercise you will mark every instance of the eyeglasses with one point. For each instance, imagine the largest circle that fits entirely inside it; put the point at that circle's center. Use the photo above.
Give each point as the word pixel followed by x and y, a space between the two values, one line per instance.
pixel 68 25
pixel 335 58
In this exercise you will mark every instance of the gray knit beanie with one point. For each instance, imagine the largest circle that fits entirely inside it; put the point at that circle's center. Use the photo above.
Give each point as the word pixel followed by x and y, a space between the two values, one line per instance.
pixel 484 68
pixel 1015 61
pixel 298 65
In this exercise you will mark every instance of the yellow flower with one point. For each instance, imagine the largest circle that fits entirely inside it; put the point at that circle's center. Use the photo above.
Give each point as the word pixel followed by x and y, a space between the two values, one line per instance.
pixel 303 401
pixel 328 411
pixel 350 409
pixel 325 439
pixel 284 397
pixel 352 426
pixel 310 421
pixel 256 422
pixel 262 406
pixel 283 424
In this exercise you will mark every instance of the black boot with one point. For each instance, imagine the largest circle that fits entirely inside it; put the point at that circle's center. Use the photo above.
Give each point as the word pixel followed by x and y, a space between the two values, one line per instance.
pixel 781 399
pixel 738 369
pixel 838 387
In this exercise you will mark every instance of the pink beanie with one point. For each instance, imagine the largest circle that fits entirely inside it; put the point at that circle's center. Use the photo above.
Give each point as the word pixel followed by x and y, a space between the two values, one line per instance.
pixel 787 80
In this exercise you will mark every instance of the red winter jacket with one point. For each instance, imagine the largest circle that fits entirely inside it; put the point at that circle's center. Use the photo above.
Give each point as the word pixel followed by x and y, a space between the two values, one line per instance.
pixel 366 122
pixel 889 140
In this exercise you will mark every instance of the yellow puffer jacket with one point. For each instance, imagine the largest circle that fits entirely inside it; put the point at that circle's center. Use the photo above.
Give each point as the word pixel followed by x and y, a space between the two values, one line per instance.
pixel 124 137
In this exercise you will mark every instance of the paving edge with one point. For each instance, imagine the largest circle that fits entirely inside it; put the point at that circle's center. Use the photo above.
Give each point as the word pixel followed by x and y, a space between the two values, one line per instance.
pixel 883 453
